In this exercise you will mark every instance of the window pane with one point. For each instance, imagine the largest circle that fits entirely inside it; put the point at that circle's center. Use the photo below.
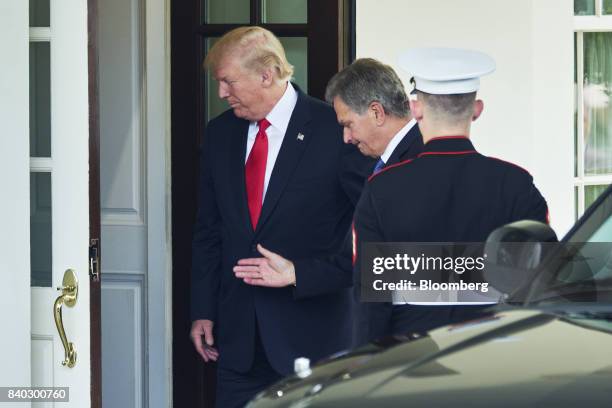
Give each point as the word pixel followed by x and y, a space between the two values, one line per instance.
pixel 576 105
pixel 591 193
pixel 296 49
pixel 584 7
pixel 40 99
pixel 40 229
pixel 226 11
pixel 607 7
pixel 39 13
pixel 597 109
pixel 285 11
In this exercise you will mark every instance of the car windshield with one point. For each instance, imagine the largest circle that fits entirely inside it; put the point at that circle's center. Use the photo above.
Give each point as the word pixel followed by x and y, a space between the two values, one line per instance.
pixel 584 272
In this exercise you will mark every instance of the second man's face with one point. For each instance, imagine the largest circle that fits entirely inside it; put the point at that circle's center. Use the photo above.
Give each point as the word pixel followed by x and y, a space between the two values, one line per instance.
pixel 360 130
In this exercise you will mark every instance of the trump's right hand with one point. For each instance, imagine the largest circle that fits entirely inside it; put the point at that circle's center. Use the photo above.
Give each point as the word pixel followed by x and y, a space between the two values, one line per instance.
pixel 204 328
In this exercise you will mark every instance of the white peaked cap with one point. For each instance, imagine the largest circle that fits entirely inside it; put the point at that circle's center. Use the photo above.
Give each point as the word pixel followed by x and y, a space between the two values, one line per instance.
pixel 445 71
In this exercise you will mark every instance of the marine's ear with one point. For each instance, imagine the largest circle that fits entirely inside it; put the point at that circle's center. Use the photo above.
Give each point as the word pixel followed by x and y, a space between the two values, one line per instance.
pixel 478 108
pixel 416 108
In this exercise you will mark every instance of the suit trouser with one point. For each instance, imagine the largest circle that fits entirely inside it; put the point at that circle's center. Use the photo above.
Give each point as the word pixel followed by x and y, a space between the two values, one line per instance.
pixel 235 389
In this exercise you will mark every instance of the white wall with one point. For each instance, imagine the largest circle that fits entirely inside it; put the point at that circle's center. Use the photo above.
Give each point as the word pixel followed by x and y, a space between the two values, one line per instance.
pixel 528 117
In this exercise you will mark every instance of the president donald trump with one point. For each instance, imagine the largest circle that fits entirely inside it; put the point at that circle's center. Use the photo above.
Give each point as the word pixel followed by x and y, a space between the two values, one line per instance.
pixel 271 271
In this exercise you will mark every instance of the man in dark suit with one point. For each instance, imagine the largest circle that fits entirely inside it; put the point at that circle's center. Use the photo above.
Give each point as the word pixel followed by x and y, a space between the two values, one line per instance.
pixel 450 192
pixel 275 176
pixel 372 106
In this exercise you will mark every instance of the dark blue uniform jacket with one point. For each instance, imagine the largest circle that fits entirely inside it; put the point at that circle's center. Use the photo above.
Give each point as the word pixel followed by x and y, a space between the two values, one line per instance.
pixel 449 193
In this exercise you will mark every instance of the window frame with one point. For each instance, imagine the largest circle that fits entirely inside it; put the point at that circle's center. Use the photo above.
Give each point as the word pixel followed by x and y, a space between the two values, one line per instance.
pixel 328 25
pixel 585 24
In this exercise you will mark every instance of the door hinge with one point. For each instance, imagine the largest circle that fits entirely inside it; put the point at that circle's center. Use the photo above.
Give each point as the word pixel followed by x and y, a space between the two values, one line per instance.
pixel 94 259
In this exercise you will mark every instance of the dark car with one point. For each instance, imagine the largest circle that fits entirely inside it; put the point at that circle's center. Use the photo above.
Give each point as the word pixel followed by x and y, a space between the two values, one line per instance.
pixel 548 345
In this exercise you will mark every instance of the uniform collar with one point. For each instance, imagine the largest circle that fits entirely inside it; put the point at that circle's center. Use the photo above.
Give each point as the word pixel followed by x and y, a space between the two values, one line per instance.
pixel 448 145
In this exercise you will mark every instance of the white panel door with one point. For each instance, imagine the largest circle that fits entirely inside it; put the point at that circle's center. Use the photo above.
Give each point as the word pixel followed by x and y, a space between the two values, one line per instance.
pixel 45 168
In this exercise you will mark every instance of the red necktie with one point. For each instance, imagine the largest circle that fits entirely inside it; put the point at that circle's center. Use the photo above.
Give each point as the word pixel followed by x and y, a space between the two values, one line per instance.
pixel 255 171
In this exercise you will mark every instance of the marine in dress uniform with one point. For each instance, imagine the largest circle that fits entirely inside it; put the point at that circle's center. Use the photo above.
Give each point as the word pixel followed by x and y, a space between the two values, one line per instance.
pixel 449 192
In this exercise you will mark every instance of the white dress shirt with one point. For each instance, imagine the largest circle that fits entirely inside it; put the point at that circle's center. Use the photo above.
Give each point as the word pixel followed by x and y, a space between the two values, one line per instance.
pixel 279 121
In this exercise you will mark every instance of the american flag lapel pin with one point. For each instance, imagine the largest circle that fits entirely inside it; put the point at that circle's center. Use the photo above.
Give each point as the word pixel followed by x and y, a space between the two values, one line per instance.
pixel 300 137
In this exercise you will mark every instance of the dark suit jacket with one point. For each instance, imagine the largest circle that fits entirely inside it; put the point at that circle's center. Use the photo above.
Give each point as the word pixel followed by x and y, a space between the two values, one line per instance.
pixel 307 210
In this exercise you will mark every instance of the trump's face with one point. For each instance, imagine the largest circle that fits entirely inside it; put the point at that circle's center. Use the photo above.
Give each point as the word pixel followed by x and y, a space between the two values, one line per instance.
pixel 360 130
pixel 243 89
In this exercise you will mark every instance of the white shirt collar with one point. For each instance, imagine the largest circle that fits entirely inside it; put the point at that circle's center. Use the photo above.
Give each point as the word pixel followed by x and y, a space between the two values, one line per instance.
pixel 399 136
pixel 281 113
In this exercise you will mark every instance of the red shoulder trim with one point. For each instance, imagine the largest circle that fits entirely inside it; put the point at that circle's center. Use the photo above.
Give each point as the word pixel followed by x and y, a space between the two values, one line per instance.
pixel 507 162
pixel 447 153
pixel 389 167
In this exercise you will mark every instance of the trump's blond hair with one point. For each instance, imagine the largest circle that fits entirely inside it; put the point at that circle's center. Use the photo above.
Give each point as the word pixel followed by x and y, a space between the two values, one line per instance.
pixel 257 49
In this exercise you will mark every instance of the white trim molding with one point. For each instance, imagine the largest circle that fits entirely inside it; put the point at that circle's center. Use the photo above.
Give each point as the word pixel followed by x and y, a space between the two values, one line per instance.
pixel 159 233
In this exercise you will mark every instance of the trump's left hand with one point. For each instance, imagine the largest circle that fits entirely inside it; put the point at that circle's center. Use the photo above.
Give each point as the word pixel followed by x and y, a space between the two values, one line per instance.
pixel 272 270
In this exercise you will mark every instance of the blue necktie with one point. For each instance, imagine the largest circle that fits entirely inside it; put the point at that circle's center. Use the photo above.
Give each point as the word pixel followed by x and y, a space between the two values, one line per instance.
pixel 379 165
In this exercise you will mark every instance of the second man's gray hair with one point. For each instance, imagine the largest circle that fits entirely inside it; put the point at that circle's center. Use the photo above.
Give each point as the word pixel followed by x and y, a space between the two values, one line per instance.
pixel 365 81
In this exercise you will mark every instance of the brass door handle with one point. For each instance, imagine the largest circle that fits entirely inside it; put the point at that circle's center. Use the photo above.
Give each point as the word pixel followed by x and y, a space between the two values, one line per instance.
pixel 70 292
